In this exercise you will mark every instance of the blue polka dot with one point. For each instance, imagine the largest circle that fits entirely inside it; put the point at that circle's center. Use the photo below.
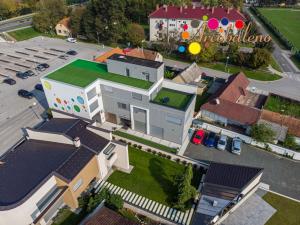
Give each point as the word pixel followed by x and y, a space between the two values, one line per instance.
pixel 181 49
pixel 80 100
pixel 224 21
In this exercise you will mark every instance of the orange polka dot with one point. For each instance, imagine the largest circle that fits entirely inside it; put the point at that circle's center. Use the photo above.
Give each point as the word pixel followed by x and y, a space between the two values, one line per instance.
pixel 185 35
pixel 58 100
pixel 221 30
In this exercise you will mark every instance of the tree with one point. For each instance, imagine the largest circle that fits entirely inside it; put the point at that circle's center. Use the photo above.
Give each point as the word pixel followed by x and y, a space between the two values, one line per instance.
pixel 49 13
pixel 136 34
pixel 207 54
pixel 262 133
pixel 266 45
pixel 185 190
pixel 115 202
pixel 7 9
pixel 259 57
pixel 76 20
pixel 169 74
pixel 290 142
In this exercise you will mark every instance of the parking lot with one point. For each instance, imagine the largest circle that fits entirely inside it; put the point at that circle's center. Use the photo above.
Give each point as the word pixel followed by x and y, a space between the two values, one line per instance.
pixel 23 56
pixel 281 174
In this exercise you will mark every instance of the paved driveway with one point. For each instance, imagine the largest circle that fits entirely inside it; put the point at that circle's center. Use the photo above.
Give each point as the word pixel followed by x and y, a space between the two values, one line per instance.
pixel 283 175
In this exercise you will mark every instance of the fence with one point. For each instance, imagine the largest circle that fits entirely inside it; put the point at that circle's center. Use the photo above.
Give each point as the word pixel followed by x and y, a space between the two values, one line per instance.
pixel 271 147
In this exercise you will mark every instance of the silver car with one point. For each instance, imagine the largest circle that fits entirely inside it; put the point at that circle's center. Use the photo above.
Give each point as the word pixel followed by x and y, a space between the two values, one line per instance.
pixel 222 142
pixel 236 147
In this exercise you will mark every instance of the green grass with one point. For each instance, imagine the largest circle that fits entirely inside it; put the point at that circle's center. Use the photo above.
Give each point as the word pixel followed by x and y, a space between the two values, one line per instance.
pixel 286 21
pixel 82 73
pixel 152 176
pixel 275 65
pixel 287 210
pixel 27 33
pixel 67 217
pixel 146 142
pixel 200 100
pixel 283 106
pixel 178 100
pixel 252 74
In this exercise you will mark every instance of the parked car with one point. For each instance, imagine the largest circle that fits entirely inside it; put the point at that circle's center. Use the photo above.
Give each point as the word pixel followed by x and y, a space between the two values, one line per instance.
pixel 30 73
pixel 22 75
pixel 9 81
pixel 236 147
pixel 25 94
pixel 222 142
pixel 40 67
pixel 71 40
pixel 39 87
pixel 198 137
pixel 45 65
pixel 71 52
pixel 65 57
pixel 210 140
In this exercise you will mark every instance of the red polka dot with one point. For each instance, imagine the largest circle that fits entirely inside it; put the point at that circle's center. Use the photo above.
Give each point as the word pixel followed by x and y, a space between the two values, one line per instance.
pixel 185 27
pixel 239 24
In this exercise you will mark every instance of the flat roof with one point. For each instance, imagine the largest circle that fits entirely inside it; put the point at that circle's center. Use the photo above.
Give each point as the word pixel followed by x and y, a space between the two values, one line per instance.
pixel 81 73
pixel 172 98
pixel 136 60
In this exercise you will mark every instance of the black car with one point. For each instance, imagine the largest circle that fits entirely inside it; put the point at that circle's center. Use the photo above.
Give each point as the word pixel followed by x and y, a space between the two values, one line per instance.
pixel 39 87
pixel 22 75
pixel 65 57
pixel 25 94
pixel 9 81
pixel 45 65
pixel 30 73
pixel 71 52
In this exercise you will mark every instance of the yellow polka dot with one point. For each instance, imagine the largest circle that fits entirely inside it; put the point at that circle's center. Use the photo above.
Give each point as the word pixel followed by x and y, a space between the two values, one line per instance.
pixel 47 85
pixel 194 48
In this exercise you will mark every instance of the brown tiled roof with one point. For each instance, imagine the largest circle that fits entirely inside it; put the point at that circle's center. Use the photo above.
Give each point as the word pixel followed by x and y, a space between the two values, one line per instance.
pixel 107 216
pixel 143 53
pixel 227 96
pixel 65 22
pixel 106 55
pixel 292 123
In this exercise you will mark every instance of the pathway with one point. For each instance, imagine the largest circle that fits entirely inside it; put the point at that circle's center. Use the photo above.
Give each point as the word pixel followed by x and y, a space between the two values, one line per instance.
pixel 149 205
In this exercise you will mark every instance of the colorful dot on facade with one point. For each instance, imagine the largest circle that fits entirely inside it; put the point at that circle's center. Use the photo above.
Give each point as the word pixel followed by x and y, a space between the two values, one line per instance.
pixel 72 99
pixel 63 108
pixel 47 85
pixel 224 21
pixel 195 23
pixel 221 30
pixel 58 100
pixel 185 35
pixel 181 49
pixel 76 108
pixel 185 27
pixel 80 100
pixel 213 23
pixel 194 48
pixel 239 24
pixel 205 18
pixel 68 107
pixel 55 105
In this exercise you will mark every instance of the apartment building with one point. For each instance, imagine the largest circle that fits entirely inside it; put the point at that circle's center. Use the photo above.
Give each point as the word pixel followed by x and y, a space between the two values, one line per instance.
pixel 53 166
pixel 171 21
pixel 126 90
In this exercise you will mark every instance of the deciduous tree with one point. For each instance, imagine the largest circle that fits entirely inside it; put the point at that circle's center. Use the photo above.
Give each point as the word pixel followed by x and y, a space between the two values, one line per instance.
pixel 262 133
pixel 136 34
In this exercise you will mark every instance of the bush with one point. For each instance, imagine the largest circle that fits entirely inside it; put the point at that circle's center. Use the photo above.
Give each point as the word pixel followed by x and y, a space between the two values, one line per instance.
pixel 154 152
pixel 149 150
pixel 178 160
pixel 140 147
pixel 135 145
pixel 129 143
pixel 114 202
pixel 169 157
pixel 262 133
pixel 291 143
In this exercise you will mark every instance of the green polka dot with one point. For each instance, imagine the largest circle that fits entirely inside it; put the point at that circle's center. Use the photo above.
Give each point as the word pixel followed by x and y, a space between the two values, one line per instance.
pixel 76 108
pixel 62 108
pixel 205 17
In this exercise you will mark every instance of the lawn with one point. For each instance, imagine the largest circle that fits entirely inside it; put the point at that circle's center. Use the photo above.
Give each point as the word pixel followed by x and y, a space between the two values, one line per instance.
pixel 82 73
pixel 152 176
pixel 27 33
pixel 175 99
pixel 283 106
pixel 145 141
pixel 287 22
pixel 287 210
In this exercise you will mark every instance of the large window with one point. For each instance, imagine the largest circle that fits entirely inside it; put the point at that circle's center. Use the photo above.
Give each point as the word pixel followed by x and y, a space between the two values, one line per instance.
pixel 94 106
pixel 77 185
pixel 92 93
pixel 137 96
pixel 48 198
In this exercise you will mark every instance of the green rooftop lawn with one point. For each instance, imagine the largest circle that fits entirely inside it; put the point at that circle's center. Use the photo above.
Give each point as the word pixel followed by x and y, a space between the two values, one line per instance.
pixel 176 99
pixel 283 106
pixel 152 176
pixel 81 73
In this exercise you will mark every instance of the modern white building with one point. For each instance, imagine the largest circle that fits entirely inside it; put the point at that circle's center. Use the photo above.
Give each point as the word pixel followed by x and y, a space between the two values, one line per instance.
pixel 171 21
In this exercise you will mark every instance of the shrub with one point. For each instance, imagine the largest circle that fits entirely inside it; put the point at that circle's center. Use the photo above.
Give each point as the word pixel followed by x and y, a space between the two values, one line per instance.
pixel 149 150
pixel 115 202
pixel 159 153
pixel 262 133
pixel 129 143
pixel 154 152
pixel 178 160
pixel 169 157
pixel 184 162
pixel 113 137
pixel 135 145
pixel 140 147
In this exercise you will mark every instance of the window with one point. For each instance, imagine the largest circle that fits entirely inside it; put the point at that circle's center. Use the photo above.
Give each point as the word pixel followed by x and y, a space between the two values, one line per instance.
pixel 137 96
pixel 122 106
pixel 92 93
pixel 59 31
pixel 48 198
pixel 127 72
pixel 109 149
pixel 77 185
pixel 108 88
pixel 147 75
pixel 94 106
pixel 174 120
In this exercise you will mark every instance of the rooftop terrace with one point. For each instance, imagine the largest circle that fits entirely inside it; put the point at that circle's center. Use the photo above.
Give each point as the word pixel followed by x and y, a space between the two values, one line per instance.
pixel 82 73
pixel 172 98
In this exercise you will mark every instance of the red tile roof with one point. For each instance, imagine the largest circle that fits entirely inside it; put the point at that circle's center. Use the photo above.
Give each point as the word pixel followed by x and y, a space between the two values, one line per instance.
pixel 65 22
pixel 227 96
pixel 143 53
pixel 173 12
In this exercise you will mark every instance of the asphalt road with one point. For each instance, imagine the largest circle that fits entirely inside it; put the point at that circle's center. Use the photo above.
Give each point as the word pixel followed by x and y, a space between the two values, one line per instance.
pixel 283 175
pixel 15 23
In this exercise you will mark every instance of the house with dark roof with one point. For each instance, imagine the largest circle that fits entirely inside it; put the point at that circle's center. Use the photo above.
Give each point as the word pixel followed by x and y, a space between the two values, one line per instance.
pixel 171 21
pixel 53 166
pixel 224 186
pixel 233 104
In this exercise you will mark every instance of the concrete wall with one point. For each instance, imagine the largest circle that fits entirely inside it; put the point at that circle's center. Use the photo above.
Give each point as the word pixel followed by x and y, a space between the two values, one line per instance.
pixel 254 183
pixel 101 132
pixel 122 162
pixel 21 215
pixel 61 30
pixel 136 71
pixel 52 137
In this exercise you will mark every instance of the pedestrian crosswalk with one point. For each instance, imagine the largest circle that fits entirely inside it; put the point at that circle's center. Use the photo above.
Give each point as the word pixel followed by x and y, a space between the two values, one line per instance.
pixel 149 205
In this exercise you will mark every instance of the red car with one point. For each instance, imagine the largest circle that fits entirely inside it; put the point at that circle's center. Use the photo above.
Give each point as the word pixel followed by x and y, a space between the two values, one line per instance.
pixel 198 137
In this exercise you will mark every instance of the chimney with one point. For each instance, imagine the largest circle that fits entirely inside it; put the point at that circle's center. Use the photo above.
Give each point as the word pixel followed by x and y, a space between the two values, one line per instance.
pixel 212 10
pixel 180 9
pixel 194 6
pixel 217 101
pixel 157 6
pixel 76 142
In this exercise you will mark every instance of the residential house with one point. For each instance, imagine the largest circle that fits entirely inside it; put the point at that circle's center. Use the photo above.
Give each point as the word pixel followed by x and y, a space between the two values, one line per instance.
pixel 53 166
pixel 126 90
pixel 171 21
pixel 224 186
pixel 233 104
pixel 145 54
pixel 63 27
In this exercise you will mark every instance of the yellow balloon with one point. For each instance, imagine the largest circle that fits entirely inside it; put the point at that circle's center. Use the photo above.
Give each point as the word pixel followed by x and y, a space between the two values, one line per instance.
pixel 194 48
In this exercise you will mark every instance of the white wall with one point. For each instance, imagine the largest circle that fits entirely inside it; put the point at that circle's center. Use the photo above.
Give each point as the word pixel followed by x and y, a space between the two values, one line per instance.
pixel 123 158
pixel 191 89
pixel 41 135
pixel 21 215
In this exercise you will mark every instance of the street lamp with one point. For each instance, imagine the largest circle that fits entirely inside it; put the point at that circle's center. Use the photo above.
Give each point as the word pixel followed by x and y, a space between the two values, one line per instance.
pixel 226 65
pixel 98 37
pixel 32 108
